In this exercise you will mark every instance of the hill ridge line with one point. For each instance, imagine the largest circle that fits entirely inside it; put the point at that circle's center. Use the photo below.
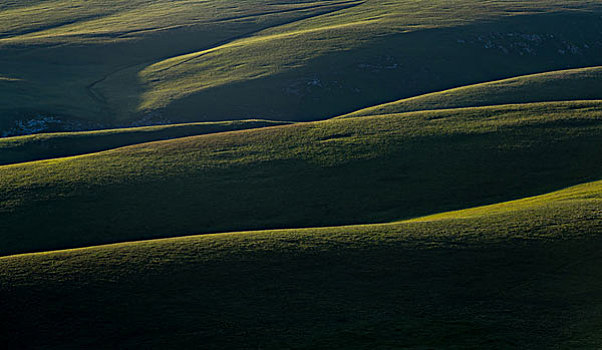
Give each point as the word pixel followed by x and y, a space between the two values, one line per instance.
pixel 288 124
pixel 102 100
pixel 277 123
pixel 477 85
pixel 447 215
pixel 437 110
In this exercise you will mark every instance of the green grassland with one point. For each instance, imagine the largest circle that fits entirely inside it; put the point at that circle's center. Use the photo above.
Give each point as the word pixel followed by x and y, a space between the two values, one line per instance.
pixel 91 64
pixel 21 149
pixel 72 46
pixel 341 171
pixel 565 85
pixel 467 213
pixel 521 274
pixel 360 59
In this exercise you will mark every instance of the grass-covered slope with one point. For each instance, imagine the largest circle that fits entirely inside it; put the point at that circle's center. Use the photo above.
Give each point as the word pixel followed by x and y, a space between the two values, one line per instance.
pixel 343 171
pixel 53 54
pixel 565 85
pixel 361 56
pixel 88 64
pixel 466 214
pixel 522 274
pixel 20 149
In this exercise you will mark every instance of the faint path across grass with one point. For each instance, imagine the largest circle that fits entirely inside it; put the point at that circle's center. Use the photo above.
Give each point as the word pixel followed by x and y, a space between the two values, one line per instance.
pixel 343 5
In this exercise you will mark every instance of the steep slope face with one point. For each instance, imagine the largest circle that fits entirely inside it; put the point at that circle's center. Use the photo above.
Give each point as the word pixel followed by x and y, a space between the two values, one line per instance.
pixel 564 85
pixel 520 274
pixel 344 171
pixel 156 61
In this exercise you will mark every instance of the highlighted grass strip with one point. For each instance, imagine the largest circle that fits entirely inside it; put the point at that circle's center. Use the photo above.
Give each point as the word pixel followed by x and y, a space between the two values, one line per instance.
pixel 587 197
pixel 28 148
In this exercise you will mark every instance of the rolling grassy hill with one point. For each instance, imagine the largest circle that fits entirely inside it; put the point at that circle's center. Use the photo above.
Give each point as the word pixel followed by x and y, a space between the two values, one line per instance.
pixel 565 85
pixel 55 61
pixel 342 171
pixel 465 214
pixel 21 149
pixel 521 274
pixel 88 64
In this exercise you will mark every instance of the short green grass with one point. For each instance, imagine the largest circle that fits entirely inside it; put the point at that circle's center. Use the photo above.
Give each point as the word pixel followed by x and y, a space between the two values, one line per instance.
pixel 522 274
pixel 323 67
pixel 565 85
pixel 76 45
pixel 53 145
pixel 154 60
pixel 342 171
pixel 465 215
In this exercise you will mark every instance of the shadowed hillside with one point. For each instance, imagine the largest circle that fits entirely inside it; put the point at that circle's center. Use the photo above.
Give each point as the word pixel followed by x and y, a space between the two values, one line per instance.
pixel 20 149
pixel 425 174
pixel 88 65
pixel 512 275
pixel 342 171
pixel 566 85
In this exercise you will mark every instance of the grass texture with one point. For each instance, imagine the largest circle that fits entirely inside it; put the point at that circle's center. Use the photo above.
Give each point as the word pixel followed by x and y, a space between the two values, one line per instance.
pixel 21 149
pixel 464 214
pixel 565 85
pixel 342 171
pixel 518 274
pixel 88 63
